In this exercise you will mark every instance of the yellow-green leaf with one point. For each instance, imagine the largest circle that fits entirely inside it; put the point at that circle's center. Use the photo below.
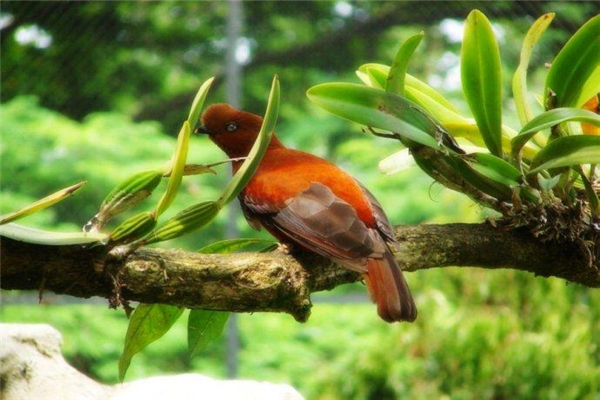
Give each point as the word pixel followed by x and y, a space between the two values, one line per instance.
pixel 37 236
pixel 519 84
pixel 41 204
pixel 248 168
pixel 177 169
pixel 481 79
pixel 198 103
pixel 397 73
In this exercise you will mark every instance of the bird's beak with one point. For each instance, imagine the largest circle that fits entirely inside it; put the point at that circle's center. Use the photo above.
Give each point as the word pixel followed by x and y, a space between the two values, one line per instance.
pixel 202 129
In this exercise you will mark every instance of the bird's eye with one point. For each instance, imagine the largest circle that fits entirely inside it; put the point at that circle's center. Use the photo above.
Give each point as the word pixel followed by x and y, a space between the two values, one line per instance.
pixel 232 126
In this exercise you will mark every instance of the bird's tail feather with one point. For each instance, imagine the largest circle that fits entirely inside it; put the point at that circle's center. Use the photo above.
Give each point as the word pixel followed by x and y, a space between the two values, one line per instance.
pixel 389 289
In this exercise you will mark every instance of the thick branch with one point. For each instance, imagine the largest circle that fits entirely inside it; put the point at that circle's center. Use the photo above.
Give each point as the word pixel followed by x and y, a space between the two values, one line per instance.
pixel 249 282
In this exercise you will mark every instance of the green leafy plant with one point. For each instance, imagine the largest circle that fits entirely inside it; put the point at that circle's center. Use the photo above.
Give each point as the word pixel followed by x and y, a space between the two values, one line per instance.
pixel 547 167
pixel 149 322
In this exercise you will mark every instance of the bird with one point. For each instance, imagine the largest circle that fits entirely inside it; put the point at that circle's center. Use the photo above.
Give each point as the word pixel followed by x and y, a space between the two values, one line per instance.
pixel 311 204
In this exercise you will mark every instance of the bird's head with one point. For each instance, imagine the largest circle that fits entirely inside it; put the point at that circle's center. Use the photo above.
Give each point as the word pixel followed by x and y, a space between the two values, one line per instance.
pixel 234 131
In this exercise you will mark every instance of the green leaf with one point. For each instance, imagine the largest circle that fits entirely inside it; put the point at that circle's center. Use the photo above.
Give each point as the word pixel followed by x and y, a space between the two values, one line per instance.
pixel 198 103
pixel 470 131
pixel 30 235
pixel 244 174
pixel 230 245
pixel 178 166
pixel 377 109
pixel 549 119
pixel 380 73
pixel 590 89
pixel 481 79
pixel 519 84
pixel 204 326
pixel 397 73
pixel 567 151
pixel 573 66
pixel 41 204
pixel 148 323
pixel 496 168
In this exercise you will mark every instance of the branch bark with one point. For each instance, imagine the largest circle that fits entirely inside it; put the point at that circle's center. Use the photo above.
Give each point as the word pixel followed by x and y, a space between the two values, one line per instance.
pixel 248 282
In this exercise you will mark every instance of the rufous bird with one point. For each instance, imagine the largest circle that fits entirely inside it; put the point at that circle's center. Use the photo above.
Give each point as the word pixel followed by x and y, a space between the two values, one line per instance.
pixel 308 202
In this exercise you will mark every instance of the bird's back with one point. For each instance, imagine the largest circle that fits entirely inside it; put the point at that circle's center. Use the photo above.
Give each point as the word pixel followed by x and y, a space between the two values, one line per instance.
pixel 285 173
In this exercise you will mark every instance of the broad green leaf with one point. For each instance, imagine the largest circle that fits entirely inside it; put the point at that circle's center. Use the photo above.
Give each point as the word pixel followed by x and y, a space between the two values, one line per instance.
pixel 590 89
pixel 248 168
pixel 198 103
pixel 148 323
pixel 397 162
pixel 231 245
pixel 397 73
pixel 573 66
pixel 377 109
pixel 470 131
pixel 184 222
pixel 567 151
pixel 496 168
pixel 41 204
pixel 549 119
pixel 377 77
pixel 519 84
pixel 204 326
pixel 481 79
pixel 411 82
pixel 177 169
pixel 37 236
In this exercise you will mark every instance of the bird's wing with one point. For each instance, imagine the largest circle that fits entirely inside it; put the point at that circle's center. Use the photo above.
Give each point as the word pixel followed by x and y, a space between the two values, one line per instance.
pixel 383 224
pixel 322 222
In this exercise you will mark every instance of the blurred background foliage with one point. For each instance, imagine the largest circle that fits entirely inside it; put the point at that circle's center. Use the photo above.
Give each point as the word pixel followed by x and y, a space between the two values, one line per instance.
pixel 96 91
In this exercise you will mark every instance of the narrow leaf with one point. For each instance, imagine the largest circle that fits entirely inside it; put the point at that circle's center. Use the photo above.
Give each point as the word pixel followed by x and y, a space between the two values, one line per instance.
pixel 230 245
pixel 148 323
pixel 183 141
pixel 410 82
pixel 204 326
pixel 397 73
pixel 41 204
pixel 519 84
pixel 198 103
pixel 377 109
pixel 496 168
pixel 573 66
pixel 549 119
pixel 481 79
pixel 244 174
pixel 567 151
pixel 37 236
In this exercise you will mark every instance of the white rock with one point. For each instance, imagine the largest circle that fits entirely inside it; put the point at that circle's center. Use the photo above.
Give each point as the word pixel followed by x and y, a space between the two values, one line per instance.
pixel 32 367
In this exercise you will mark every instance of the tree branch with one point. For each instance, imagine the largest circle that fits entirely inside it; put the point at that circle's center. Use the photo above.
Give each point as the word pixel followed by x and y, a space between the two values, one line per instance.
pixel 248 282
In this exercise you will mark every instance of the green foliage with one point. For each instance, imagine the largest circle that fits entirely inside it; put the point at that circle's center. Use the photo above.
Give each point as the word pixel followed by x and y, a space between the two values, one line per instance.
pixel 573 67
pixel 486 178
pixel 148 323
pixel 204 326
pixel 481 78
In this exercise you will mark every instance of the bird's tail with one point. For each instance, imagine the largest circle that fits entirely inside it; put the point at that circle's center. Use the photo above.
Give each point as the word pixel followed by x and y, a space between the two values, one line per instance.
pixel 389 289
